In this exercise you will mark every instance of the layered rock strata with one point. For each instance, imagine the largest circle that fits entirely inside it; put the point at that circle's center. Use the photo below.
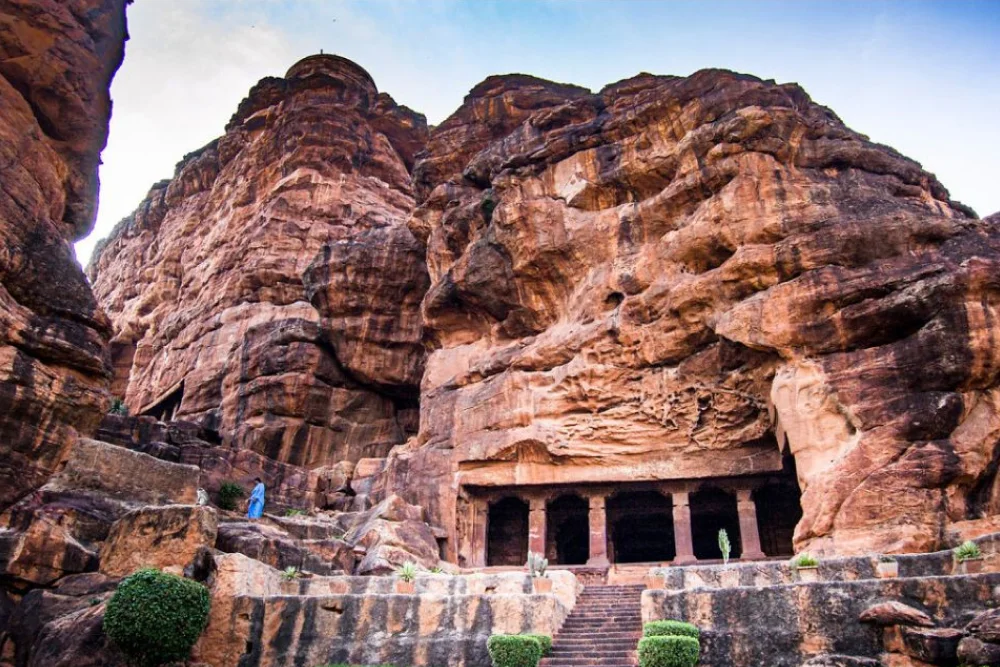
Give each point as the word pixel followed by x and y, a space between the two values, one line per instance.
pixel 270 291
pixel 688 278
pixel 56 63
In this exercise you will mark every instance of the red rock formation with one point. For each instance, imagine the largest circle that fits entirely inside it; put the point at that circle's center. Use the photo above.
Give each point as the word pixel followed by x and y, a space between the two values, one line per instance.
pixel 625 284
pixel 271 290
pixel 56 63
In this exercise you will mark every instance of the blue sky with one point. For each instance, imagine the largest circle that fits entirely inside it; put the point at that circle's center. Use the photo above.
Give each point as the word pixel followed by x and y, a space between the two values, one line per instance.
pixel 923 77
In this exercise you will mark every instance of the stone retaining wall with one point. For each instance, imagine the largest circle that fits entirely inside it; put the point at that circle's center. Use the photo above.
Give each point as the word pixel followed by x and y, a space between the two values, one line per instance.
pixel 786 625
pixel 258 619
pixel 771 573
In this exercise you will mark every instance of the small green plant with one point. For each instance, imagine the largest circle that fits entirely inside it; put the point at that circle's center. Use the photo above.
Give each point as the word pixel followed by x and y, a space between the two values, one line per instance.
pixel 118 407
pixel 229 495
pixel 294 512
pixel 886 558
pixel 537 565
pixel 436 570
pixel 725 546
pixel 290 574
pixel 968 550
pixel 668 651
pixel 155 618
pixel 805 560
pixel 407 572
pixel 544 640
pixel 670 629
pixel 514 650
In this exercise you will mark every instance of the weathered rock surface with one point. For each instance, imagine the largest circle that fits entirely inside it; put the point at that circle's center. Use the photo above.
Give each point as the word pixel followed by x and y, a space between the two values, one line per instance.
pixel 360 620
pixel 63 627
pixel 170 537
pixel 817 620
pixel 58 530
pixel 681 278
pixel 56 63
pixel 375 541
pixel 894 613
pixel 271 289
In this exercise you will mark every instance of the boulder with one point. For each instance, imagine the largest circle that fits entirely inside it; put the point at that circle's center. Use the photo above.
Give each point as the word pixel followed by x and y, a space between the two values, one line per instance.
pixel 974 651
pixel 894 613
pixel 171 537
pixel 933 645
pixel 985 626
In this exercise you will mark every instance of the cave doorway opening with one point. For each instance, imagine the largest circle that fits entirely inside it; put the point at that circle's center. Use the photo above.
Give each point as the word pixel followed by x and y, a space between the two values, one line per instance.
pixel 779 510
pixel 640 527
pixel 713 509
pixel 166 408
pixel 567 535
pixel 507 532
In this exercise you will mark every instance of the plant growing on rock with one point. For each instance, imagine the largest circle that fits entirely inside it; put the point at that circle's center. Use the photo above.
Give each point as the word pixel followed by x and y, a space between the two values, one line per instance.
pixel 805 560
pixel 725 546
pixel 294 512
pixel 968 550
pixel 229 496
pixel 407 572
pixel 118 407
pixel 514 650
pixel 537 565
pixel 290 574
pixel 155 618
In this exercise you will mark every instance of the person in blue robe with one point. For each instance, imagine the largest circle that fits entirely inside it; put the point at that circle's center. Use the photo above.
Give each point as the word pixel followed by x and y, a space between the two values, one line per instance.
pixel 255 506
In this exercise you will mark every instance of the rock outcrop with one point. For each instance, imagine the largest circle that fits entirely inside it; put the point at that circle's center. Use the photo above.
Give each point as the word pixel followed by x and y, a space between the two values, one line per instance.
pixel 56 63
pixel 685 278
pixel 270 291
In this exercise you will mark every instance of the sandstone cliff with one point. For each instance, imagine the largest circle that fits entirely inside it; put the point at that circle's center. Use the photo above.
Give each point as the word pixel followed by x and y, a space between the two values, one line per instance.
pixel 673 279
pixel 271 289
pixel 683 278
pixel 56 63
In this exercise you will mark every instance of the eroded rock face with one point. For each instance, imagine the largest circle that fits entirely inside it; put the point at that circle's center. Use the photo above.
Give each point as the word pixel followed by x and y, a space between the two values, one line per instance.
pixel 684 278
pixel 168 537
pixel 56 63
pixel 271 289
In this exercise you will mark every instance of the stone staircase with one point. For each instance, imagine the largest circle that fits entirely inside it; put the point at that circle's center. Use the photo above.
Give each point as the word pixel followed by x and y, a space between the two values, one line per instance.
pixel 601 631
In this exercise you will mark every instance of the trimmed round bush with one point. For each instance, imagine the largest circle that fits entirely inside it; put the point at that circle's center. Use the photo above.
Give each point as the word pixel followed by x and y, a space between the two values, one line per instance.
pixel 155 618
pixel 514 650
pixel 544 640
pixel 670 629
pixel 668 651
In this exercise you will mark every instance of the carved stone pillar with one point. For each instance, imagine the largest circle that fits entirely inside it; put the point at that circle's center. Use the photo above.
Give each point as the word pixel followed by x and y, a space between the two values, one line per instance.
pixel 749 534
pixel 536 526
pixel 479 525
pixel 598 533
pixel 683 542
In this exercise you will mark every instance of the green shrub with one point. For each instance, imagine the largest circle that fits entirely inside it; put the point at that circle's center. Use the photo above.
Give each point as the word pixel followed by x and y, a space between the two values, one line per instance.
pixel 967 551
pixel 407 571
pixel 805 560
pixel 229 495
pixel 670 629
pixel 725 546
pixel 544 640
pixel 514 650
pixel 118 407
pixel 294 512
pixel 155 618
pixel 668 652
